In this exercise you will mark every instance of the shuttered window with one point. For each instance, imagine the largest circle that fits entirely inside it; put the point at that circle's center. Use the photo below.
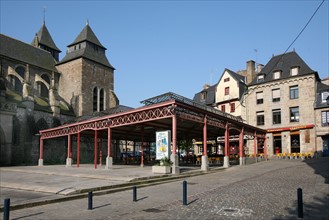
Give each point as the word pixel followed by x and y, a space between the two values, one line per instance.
pixel 260 118
pixel 259 98
pixel 275 95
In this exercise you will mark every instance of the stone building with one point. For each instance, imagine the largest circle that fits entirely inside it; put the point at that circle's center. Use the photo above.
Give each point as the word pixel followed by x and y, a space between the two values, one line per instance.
pixel 227 94
pixel 285 97
pixel 322 117
pixel 281 99
pixel 37 91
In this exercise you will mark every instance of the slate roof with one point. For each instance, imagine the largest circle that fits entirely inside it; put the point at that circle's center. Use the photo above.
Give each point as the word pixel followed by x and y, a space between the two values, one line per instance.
pixel 44 38
pixel 236 76
pixel 321 87
pixel 26 53
pixel 87 35
pixel 283 63
pixel 211 91
pixel 87 53
pixel 210 96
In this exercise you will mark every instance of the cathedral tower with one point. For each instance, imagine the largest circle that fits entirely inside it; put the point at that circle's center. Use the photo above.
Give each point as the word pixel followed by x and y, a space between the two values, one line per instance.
pixel 87 77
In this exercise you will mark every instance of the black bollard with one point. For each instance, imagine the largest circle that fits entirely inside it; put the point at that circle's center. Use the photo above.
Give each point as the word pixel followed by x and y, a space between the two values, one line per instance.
pixel 90 200
pixel 6 209
pixel 184 192
pixel 300 202
pixel 134 194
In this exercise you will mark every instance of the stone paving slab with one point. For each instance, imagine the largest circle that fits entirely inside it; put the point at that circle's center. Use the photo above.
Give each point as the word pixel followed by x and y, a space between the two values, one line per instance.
pixel 264 190
pixel 61 180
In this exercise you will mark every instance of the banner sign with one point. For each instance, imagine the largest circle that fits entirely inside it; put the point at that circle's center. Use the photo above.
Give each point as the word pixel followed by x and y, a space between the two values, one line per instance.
pixel 163 144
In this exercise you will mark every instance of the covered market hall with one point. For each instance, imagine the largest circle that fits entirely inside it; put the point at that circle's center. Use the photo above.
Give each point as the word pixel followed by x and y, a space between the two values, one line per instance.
pixel 185 118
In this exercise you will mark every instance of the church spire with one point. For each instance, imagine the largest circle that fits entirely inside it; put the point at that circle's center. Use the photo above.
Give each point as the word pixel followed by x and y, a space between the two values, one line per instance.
pixel 44 15
pixel 44 41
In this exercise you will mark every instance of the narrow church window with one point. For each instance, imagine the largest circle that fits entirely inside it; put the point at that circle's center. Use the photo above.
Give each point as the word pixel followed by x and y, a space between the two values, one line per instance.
pixel 16 82
pixel 43 88
pixel 95 100
pixel 101 100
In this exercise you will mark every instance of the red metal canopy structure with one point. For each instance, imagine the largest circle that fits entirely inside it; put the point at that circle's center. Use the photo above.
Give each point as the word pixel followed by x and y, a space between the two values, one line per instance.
pixel 185 118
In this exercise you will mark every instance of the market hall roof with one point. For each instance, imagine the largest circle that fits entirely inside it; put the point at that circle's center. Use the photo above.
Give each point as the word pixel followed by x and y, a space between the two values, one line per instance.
pixel 157 114
pixel 20 51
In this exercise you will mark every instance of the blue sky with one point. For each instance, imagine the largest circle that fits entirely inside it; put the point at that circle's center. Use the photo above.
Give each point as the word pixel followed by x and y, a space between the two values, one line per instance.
pixel 177 46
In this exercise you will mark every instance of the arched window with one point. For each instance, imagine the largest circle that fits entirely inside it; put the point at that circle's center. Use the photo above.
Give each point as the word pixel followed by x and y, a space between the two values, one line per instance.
pixel 21 71
pixel 101 100
pixel 43 88
pixel 16 82
pixel 95 99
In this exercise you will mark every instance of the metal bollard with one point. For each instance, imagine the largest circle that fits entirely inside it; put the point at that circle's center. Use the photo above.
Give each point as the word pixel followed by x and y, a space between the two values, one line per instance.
pixel 300 202
pixel 6 209
pixel 184 192
pixel 134 194
pixel 90 200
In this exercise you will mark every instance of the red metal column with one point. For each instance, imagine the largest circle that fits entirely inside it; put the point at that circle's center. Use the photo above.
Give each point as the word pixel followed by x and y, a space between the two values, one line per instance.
pixel 78 150
pixel 241 153
pixel 227 140
pixel 255 144
pixel 109 141
pixel 265 148
pixel 41 148
pixel 174 134
pixel 69 146
pixel 126 162
pixel 142 148
pixel 205 135
pixel 95 150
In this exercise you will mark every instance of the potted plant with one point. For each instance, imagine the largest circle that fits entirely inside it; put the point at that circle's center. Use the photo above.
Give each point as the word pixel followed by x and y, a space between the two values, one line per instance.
pixel 164 166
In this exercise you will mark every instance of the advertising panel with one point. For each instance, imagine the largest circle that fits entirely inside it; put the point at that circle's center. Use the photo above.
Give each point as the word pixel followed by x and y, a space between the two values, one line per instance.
pixel 163 144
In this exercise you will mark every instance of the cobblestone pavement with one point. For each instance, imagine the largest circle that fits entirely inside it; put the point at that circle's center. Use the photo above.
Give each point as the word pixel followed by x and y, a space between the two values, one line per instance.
pixel 266 190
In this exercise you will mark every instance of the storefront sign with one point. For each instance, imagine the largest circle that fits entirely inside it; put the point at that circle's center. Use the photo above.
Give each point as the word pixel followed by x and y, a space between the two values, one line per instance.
pixel 163 144
pixel 290 128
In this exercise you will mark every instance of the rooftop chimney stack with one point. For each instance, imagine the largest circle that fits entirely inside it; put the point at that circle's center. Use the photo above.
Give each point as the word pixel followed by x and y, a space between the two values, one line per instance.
pixel 251 73
pixel 259 68
pixel 206 86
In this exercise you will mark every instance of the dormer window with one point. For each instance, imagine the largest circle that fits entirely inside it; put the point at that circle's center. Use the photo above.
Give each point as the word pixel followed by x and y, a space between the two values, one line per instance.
pixel 277 75
pixel 203 95
pixel 324 96
pixel 260 78
pixel 294 71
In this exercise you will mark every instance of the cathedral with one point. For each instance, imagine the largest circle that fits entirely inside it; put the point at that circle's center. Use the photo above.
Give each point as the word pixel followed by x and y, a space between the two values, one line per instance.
pixel 39 91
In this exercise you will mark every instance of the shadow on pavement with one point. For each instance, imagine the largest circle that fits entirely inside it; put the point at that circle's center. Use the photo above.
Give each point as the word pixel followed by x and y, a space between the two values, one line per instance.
pixel 320 166
pixel 26 216
pixel 319 208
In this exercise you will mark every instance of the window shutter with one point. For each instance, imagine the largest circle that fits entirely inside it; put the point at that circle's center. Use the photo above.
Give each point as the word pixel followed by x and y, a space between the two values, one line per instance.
pixel 259 95
pixel 276 93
